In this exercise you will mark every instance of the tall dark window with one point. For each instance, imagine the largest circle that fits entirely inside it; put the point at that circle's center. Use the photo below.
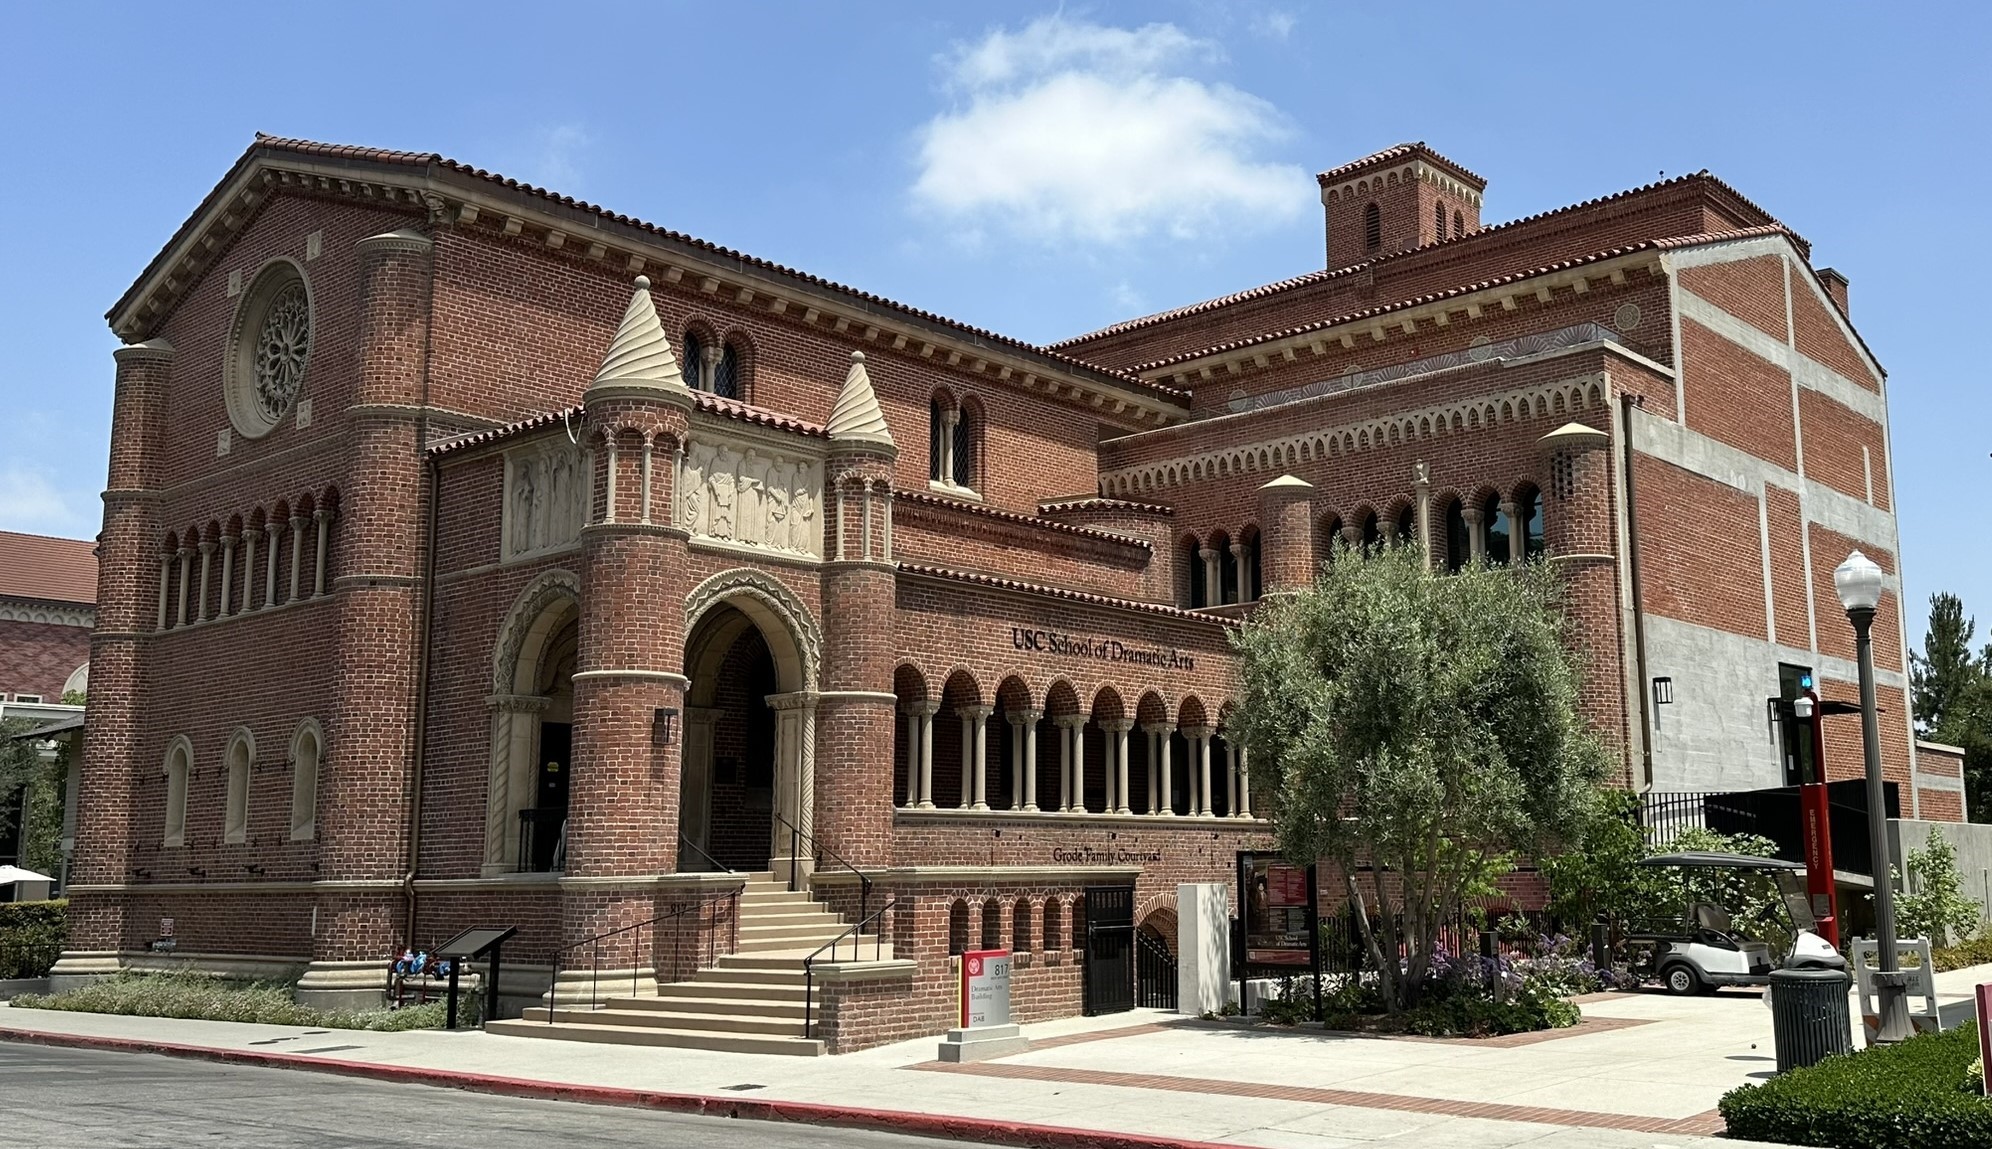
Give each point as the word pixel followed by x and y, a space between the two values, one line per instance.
pixel 1459 225
pixel 694 362
pixel 1372 227
pixel 1499 530
pixel 1226 589
pixel 1459 547
pixel 1254 587
pixel 1529 510
pixel 1372 535
pixel 935 429
pixel 1194 561
pixel 1438 222
pixel 726 373
pixel 964 448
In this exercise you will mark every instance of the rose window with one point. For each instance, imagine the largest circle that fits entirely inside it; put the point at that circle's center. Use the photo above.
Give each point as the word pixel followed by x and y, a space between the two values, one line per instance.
pixel 282 346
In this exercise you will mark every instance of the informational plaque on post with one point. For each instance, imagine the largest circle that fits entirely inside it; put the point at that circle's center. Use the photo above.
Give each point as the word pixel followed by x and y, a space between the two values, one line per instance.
pixel 1277 911
pixel 985 988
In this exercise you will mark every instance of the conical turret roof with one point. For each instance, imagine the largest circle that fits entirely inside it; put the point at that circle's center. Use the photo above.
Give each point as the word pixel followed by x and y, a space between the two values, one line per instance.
pixel 856 417
pixel 640 354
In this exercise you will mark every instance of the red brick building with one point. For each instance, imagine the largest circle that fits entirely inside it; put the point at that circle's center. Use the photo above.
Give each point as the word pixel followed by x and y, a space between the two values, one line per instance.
pixel 541 602
pixel 48 593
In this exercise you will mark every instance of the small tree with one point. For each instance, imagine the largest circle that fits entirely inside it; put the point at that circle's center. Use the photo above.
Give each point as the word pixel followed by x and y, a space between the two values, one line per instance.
pixel 1414 729
pixel 1935 905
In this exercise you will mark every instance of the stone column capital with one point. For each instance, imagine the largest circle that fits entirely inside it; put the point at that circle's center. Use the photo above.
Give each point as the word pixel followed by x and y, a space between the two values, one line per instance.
pixel 1024 717
pixel 207 547
pixel 1238 551
pixel 297 523
pixel 1118 725
pixel 925 709
pixel 518 703
pixel 1203 732
pixel 322 515
pixel 184 552
pixel 1471 515
pixel 975 713
pixel 795 700
pixel 1068 721
pixel 1156 728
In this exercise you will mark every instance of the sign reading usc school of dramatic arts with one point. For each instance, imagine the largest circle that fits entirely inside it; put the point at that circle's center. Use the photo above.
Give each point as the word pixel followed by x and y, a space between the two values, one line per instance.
pixel 1103 649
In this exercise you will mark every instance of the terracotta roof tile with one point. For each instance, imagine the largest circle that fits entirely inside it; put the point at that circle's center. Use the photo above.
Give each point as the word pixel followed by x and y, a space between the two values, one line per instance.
pixel 265 143
pixel 925 499
pixel 1401 151
pixel 1069 595
pixel 1069 506
pixel 713 404
pixel 1464 242
pixel 48 569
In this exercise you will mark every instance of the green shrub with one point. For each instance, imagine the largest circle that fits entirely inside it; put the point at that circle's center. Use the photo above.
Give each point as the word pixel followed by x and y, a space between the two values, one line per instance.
pixel 1481 1015
pixel 1977 951
pixel 204 997
pixel 31 936
pixel 1907 1096
pixel 1933 904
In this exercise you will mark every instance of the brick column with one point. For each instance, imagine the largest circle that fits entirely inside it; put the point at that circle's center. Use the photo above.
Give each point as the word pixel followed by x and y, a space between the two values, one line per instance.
pixel 368 764
pixel 1579 535
pixel 116 754
pixel 1286 535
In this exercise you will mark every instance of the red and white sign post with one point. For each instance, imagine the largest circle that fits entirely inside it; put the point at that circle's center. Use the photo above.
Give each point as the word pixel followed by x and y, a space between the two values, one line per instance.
pixel 985 988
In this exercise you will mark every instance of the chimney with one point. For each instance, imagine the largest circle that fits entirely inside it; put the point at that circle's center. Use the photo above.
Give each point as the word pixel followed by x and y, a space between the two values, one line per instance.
pixel 1836 286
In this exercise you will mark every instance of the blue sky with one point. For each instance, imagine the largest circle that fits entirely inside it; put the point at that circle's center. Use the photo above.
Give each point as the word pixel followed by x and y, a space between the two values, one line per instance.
pixel 1037 169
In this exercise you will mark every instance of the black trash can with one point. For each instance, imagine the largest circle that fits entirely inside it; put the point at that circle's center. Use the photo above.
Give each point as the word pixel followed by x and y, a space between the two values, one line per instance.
pixel 1810 1015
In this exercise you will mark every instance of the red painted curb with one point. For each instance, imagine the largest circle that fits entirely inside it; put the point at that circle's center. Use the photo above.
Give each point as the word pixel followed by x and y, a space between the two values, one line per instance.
pixel 799 1112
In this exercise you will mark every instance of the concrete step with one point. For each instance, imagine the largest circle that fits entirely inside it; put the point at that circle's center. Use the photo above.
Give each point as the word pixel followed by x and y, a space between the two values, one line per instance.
pixel 736 969
pixel 654 1036
pixel 732 1006
pixel 703 988
pixel 788 937
pixel 652 1019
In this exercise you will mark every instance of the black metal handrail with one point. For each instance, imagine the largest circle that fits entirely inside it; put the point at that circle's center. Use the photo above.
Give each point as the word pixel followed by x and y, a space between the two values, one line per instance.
pixel 818 852
pixel 709 859
pixel 679 910
pixel 857 935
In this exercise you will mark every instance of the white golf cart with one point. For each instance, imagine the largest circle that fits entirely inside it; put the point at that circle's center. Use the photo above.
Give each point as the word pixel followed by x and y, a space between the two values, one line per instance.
pixel 1704 950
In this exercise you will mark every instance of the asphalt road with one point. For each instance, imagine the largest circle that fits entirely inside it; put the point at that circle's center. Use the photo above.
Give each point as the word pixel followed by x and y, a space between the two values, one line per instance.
pixel 85 1099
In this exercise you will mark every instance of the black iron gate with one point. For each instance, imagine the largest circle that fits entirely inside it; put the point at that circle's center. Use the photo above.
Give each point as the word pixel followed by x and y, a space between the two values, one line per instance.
pixel 1109 976
pixel 1154 973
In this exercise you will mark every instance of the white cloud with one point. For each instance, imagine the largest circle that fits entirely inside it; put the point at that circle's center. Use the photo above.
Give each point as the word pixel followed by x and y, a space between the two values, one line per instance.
pixel 1275 23
pixel 1070 131
pixel 31 502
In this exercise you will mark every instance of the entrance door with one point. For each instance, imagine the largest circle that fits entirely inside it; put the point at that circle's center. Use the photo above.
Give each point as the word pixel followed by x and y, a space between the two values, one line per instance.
pixel 547 841
pixel 1109 974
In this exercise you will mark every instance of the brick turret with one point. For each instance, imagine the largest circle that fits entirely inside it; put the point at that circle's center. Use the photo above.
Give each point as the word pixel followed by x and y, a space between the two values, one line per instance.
pixel 853 803
pixel 1579 532
pixel 1402 197
pixel 1286 534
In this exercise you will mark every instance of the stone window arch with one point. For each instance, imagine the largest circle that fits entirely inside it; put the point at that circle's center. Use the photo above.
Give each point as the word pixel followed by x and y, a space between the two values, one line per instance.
pixel 307 750
pixel 179 766
pixel 240 760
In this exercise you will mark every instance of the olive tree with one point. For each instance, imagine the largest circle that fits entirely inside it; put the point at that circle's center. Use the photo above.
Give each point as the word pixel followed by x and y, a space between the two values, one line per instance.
pixel 1415 729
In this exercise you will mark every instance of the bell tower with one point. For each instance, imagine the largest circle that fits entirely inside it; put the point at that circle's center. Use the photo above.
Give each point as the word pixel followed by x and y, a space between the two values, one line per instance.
pixel 1399 198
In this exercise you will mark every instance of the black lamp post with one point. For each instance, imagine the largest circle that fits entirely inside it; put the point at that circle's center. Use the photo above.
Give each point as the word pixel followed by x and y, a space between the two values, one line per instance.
pixel 1859 582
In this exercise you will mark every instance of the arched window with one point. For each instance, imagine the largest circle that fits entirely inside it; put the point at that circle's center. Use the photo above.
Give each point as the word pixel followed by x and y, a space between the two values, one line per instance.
pixel 1404 530
pixel 1459 225
pixel 992 924
pixel 307 746
pixel 694 361
pixel 1372 534
pixel 1054 925
pixel 1372 226
pixel 937 432
pixel 1194 585
pixel 967 426
pixel 726 373
pixel 1020 929
pixel 1438 222
pixel 1459 546
pixel 1253 587
pixel 958 927
pixel 1528 510
pixel 241 756
pixel 179 762
pixel 1499 530
pixel 1226 589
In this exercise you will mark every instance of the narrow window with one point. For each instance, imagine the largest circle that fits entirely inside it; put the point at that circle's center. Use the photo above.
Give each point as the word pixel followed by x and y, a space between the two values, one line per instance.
pixel 1194 561
pixel 1253 587
pixel 1372 534
pixel 1407 522
pixel 1459 225
pixel 1438 222
pixel 1372 227
pixel 965 428
pixel 694 362
pixel 726 373
pixel 935 429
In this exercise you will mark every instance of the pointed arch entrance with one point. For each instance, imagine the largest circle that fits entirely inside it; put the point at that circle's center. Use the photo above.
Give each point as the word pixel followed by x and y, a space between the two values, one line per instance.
pixel 751 655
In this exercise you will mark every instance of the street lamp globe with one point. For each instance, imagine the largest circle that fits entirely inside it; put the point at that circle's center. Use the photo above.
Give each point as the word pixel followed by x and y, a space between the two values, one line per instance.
pixel 1859 582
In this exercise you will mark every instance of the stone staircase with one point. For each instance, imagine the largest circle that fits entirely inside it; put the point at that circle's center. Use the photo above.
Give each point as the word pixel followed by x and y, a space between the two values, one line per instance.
pixel 749 1001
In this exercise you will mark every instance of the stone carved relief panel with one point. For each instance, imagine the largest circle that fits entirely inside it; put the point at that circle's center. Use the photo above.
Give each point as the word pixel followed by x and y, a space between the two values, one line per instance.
pixel 546 498
pixel 756 495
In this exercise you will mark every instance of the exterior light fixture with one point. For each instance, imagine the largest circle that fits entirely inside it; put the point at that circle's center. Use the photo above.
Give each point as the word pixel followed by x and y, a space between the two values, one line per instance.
pixel 1663 691
pixel 661 721
pixel 1859 582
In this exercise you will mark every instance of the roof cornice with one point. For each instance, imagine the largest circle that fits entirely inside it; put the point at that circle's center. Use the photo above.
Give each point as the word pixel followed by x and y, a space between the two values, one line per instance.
pixel 452 194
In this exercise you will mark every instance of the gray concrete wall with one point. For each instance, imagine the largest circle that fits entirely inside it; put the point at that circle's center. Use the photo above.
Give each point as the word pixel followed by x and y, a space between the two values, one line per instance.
pixel 1972 840
pixel 1715 735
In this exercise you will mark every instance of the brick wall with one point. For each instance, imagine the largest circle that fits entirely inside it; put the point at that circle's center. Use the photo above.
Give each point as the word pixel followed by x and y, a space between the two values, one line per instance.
pixel 38 657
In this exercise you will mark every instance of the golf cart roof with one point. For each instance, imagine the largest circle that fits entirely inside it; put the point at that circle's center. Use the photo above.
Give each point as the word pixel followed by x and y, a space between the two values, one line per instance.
pixel 1709 860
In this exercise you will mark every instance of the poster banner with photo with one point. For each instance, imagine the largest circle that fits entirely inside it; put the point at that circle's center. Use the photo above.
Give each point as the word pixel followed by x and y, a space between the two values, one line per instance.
pixel 1277 931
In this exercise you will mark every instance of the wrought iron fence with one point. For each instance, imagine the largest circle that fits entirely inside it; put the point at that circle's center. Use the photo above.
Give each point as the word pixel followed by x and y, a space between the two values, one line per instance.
pixel 1154 973
pixel 1772 813
pixel 542 841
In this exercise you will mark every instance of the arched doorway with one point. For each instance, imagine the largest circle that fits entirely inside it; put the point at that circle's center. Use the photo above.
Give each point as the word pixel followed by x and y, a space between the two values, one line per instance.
pixel 543 822
pixel 749 744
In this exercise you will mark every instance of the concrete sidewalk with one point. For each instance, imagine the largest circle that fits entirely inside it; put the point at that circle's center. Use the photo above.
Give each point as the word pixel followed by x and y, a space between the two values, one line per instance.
pixel 1643 1070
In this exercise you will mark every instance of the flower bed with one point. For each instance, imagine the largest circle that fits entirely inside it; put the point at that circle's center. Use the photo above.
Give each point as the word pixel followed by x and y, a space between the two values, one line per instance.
pixel 1916 1095
pixel 206 998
